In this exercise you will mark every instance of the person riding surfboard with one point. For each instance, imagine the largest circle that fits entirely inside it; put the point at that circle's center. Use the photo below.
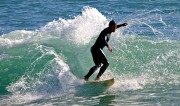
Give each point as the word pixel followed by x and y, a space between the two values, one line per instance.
pixel 97 53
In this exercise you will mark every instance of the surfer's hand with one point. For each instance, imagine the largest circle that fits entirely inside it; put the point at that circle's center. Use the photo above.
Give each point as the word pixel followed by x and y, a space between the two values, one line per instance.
pixel 124 24
pixel 109 48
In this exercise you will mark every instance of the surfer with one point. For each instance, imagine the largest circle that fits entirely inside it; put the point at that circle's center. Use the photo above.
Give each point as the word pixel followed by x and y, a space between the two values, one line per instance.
pixel 97 53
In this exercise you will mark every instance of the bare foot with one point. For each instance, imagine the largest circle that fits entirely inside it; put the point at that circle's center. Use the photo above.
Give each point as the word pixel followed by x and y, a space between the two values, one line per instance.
pixel 97 79
pixel 86 79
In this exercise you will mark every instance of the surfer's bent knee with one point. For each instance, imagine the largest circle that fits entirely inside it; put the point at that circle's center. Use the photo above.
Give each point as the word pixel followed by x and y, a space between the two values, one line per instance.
pixel 106 63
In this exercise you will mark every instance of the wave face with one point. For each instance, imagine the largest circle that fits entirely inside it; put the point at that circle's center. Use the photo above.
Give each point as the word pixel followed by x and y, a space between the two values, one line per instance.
pixel 53 59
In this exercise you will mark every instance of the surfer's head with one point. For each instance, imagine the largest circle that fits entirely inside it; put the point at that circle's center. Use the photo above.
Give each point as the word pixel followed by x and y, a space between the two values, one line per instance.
pixel 112 26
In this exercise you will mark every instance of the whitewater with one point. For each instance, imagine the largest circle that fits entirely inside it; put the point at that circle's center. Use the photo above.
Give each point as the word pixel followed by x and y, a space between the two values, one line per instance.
pixel 45 66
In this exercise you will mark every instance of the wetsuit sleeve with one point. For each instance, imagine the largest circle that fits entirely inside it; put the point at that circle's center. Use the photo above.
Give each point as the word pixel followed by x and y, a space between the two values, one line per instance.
pixel 106 41
pixel 120 25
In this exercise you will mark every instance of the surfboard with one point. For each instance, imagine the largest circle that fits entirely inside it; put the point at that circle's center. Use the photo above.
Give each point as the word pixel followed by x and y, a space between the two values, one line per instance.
pixel 90 88
pixel 103 83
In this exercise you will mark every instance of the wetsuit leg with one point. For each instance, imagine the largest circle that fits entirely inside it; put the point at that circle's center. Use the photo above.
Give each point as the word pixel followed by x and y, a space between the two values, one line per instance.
pixel 105 64
pixel 91 71
pixel 95 54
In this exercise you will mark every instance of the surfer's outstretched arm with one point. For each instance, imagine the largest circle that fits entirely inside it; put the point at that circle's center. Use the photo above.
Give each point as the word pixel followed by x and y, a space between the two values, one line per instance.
pixel 121 25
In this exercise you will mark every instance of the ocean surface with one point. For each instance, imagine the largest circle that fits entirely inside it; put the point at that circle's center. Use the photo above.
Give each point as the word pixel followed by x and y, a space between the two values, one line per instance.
pixel 45 52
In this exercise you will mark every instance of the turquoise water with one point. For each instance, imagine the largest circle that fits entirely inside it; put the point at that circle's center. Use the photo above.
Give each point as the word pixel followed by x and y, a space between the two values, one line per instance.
pixel 45 52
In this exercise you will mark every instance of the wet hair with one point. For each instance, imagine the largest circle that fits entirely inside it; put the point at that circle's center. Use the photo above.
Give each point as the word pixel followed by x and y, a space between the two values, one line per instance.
pixel 112 23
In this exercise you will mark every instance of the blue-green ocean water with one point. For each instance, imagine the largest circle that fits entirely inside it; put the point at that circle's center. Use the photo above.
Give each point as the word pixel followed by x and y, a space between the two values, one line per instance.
pixel 45 52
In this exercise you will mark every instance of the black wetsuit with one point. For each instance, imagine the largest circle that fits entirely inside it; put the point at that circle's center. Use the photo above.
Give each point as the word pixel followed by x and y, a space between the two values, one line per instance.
pixel 97 53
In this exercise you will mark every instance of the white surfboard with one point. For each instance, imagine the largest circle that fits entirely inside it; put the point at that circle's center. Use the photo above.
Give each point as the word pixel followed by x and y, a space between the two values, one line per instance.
pixel 105 83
